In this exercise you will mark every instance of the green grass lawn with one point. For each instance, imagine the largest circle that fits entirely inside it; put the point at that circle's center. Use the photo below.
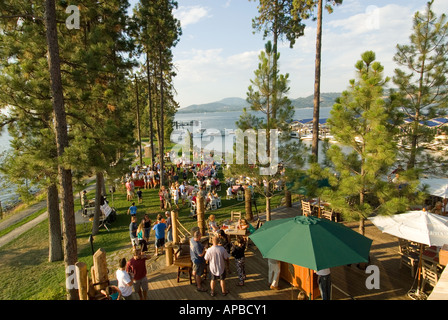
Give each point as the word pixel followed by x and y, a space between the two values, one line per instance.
pixel 27 274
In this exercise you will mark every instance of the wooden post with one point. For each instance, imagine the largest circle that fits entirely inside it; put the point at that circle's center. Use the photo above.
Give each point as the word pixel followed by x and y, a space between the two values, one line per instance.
pixel 200 212
pixel 83 281
pixel 1 211
pixel 169 254
pixel 175 227
pixel 288 202
pixel 248 204
pixel 100 268
pixel 91 291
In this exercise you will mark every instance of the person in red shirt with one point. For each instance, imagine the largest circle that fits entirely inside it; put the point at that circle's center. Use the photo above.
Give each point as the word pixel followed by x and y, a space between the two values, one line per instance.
pixel 136 267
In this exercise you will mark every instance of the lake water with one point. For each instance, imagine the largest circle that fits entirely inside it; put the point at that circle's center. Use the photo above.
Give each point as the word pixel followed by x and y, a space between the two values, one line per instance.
pixel 226 120
pixel 7 194
pixel 213 120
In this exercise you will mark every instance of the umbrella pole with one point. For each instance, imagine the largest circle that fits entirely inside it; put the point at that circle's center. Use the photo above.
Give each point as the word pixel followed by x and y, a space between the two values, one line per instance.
pixel 419 283
pixel 318 208
pixel 309 281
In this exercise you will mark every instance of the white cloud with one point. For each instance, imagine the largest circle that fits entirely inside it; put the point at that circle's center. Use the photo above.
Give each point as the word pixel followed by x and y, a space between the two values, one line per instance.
pixel 227 4
pixel 344 39
pixel 242 60
pixel 191 14
pixel 212 72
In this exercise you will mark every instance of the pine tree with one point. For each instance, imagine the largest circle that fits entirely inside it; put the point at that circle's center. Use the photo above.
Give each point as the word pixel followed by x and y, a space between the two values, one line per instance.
pixel 24 83
pixel 278 19
pixel 65 175
pixel 266 95
pixel 422 89
pixel 95 76
pixel 304 9
pixel 158 32
pixel 359 120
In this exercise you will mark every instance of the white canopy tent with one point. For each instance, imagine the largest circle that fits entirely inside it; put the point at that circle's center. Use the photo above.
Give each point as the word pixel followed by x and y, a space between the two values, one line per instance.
pixel 417 226
pixel 436 186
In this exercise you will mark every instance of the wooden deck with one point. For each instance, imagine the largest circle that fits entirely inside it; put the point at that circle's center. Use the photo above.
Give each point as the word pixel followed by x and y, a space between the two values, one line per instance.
pixel 349 282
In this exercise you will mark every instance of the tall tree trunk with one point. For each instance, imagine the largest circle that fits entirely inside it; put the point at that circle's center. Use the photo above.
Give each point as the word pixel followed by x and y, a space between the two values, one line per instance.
pixel 162 134
pixel 65 175
pixel 151 129
pixel 268 209
pixel 315 144
pixel 139 137
pixel 56 253
pixel 98 195
pixel 275 33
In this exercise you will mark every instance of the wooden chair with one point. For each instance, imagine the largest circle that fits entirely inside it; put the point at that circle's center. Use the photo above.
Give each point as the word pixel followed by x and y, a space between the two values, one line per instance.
pixel 235 215
pixel 214 204
pixel 306 208
pixel 183 262
pixel 408 257
pixel 327 214
pixel 429 274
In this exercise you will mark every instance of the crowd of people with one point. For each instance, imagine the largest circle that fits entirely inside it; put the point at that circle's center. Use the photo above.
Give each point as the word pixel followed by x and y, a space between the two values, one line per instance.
pixel 214 258
pixel 132 281
pixel 181 188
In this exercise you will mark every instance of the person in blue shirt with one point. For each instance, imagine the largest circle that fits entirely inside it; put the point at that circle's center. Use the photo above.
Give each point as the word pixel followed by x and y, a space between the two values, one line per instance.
pixel 132 209
pixel 159 229
pixel 133 226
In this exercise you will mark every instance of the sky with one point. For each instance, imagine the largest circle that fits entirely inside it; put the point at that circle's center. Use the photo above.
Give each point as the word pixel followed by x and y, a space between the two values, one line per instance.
pixel 218 51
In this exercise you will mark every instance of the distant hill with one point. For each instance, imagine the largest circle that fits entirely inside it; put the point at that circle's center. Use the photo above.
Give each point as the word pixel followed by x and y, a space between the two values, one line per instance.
pixel 238 104
pixel 224 105
pixel 326 100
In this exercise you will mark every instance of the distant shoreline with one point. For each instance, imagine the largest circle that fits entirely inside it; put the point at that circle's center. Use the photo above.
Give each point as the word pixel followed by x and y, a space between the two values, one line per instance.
pixel 236 104
pixel 182 111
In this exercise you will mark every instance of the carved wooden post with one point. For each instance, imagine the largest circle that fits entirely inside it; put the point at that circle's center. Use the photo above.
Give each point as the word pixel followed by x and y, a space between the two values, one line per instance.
pixel 100 268
pixel 81 278
pixel 175 227
pixel 200 212
pixel 169 254
pixel 248 204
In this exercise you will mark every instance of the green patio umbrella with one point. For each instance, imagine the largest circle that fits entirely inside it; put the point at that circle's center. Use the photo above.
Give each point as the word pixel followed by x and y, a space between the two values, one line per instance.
pixel 311 242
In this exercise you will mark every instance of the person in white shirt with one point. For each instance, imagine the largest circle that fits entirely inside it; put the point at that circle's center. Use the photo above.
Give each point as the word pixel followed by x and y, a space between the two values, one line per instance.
pixel 124 281
pixel 217 257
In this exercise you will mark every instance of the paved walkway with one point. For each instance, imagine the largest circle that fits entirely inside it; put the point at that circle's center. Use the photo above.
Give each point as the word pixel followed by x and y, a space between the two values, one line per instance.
pixel 23 214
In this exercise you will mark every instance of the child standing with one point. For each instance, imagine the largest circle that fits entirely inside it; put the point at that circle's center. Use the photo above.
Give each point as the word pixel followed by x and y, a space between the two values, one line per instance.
pixel 140 195
pixel 237 252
